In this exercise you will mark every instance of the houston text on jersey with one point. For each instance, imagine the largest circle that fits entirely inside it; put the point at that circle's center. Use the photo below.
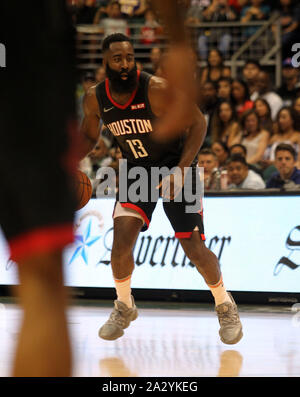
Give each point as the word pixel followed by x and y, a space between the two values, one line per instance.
pixel 130 126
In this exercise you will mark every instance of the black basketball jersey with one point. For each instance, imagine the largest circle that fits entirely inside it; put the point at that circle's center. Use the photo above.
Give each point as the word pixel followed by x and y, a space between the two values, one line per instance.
pixel 132 123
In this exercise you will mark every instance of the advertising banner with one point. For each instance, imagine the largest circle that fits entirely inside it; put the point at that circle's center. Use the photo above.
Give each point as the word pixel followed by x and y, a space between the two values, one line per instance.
pixel 256 239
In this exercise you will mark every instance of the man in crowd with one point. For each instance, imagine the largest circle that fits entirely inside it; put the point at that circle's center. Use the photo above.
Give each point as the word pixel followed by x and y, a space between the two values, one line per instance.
pixel 290 88
pixel 209 161
pixel 238 148
pixel 264 90
pixel 287 176
pixel 240 177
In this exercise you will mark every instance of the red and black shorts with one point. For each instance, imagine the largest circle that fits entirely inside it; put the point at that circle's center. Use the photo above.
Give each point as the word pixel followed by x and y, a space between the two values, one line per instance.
pixel 182 221
pixel 37 105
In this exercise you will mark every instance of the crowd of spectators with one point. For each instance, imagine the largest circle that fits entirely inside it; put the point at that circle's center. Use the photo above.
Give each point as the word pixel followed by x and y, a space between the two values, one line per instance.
pixel 112 15
pixel 252 117
pixel 248 118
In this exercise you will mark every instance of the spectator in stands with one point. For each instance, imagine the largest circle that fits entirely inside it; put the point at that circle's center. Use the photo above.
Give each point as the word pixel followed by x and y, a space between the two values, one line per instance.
pixel 95 159
pixel 209 161
pixel 264 90
pixel 240 149
pixel 291 84
pixel 254 12
pixel 240 176
pixel 288 176
pixel 194 13
pixel 133 8
pixel 151 29
pixel 208 104
pixel 218 11
pixel 84 12
pixel 98 154
pixel 155 58
pixel 99 157
pixel 290 25
pixel 101 3
pixel 224 88
pixel 263 110
pixel 296 112
pixel 237 5
pixel 285 133
pixel 225 126
pixel 88 80
pixel 222 152
pixel 118 154
pixel 255 139
pixel 240 97
pixel 114 22
pixel 101 11
pixel 215 68
pixel 100 74
pixel 250 73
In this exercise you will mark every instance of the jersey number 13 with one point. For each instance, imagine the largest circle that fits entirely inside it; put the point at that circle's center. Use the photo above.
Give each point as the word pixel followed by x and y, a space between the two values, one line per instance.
pixel 137 148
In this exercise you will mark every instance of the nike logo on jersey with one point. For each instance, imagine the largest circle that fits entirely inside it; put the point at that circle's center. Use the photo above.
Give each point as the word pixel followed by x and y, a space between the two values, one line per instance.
pixel 108 109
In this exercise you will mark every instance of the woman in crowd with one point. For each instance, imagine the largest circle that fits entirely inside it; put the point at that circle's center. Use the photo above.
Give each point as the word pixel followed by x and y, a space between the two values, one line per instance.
pixel 255 139
pixel 215 68
pixel 222 152
pixel 263 111
pixel 296 109
pixel 285 133
pixel 224 88
pixel 225 126
pixel 241 97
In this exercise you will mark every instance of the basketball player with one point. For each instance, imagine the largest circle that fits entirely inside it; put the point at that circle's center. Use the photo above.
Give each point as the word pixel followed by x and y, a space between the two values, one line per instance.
pixel 127 100
pixel 37 203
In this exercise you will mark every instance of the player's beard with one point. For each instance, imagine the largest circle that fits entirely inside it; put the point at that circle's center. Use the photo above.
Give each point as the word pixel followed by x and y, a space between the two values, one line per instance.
pixel 119 85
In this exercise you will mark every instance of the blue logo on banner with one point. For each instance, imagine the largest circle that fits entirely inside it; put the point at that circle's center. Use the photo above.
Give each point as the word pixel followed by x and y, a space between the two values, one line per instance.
pixel 84 241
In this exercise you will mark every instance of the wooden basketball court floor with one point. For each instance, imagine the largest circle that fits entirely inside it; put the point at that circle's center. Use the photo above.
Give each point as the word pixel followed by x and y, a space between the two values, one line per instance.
pixel 172 340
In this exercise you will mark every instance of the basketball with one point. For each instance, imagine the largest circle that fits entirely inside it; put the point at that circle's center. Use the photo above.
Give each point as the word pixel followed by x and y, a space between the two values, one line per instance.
pixel 83 189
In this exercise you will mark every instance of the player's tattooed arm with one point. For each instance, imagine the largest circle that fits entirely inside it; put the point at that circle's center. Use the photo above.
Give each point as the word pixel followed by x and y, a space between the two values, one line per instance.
pixel 90 131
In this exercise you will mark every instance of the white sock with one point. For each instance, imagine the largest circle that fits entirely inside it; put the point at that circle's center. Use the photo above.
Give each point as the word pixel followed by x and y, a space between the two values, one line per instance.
pixel 124 291
pixel 219 292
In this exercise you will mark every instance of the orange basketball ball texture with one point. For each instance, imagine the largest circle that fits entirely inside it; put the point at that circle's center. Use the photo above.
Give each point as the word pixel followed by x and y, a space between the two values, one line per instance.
pixel 83 188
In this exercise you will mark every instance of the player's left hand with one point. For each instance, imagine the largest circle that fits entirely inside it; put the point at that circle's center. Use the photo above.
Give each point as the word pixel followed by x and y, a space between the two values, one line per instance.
pixel 171 185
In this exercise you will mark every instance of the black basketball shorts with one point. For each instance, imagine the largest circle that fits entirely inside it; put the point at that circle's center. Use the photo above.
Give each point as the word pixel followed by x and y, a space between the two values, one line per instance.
pixel 182 221
pixel 37 127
